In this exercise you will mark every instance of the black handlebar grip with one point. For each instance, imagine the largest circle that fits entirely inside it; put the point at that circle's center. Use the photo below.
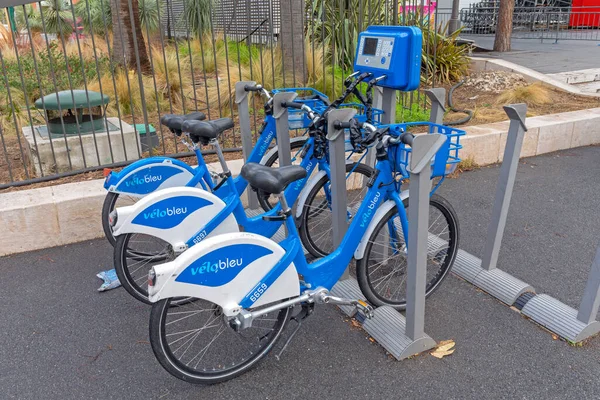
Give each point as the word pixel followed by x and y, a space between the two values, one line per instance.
pixel 407 138
pixel 291 104
pixel 342 125
pixel 255 88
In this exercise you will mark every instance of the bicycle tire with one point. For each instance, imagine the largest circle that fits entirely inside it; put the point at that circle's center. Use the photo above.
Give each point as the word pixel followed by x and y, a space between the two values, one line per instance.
pixel 363 266
pixel 266 201
pixel 164 354
pixel 308 236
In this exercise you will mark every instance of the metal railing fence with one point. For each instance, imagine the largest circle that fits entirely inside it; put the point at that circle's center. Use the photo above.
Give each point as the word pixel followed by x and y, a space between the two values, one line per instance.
pixel 556 23
pixel 119 65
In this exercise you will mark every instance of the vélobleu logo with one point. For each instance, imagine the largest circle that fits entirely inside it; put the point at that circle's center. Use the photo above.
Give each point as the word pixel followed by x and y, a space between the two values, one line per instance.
pixel 136 180
pixel 267 141
pixel 219 265
pixel 147 179
pixel 372 205
pixel 222 265
pixel 167 212
pixel 170 212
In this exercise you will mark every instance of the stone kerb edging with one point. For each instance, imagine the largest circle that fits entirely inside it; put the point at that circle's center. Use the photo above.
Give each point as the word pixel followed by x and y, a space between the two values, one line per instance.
pixel 58 215
pixel 531 76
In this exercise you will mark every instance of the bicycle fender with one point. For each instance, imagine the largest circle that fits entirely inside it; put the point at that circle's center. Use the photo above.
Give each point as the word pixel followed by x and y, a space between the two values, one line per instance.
pixel 379 214
pixel 223 270
pixel 307 188
pixel 174 215
pixel 148 175
pixel 274 149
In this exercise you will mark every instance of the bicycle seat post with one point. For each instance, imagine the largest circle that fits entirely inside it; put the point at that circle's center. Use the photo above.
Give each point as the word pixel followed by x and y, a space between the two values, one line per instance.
pixel 217 147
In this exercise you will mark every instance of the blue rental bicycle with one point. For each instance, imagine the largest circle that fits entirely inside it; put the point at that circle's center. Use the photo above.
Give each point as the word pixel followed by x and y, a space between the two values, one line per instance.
pixel 147 235
pixel 151 174
pixel 241 287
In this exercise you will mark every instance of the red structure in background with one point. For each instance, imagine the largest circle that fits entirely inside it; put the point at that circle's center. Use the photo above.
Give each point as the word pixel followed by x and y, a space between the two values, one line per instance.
pixel 585 14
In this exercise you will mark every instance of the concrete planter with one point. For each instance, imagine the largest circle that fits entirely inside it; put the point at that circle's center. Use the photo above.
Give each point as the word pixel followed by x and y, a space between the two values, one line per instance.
pixel 43 151
pixel 69 213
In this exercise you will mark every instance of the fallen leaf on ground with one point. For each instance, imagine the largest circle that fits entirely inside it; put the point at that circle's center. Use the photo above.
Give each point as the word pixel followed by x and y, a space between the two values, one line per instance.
pixel 444 348
pixel 442 354
pixel 555 337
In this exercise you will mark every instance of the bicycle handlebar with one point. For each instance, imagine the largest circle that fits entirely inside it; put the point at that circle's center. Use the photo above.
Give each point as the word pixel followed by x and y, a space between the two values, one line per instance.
pixel 405 137
pixel 255 88
pixel 292 104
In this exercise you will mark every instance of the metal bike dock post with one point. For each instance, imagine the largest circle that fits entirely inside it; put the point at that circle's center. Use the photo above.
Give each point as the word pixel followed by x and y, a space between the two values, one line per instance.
pixel 282 126
pixel 570 324
pixel 483 273
pixel 347 286
pixel 567 322
pixel 437 96
pixel 385 100
pixel 241 99
pixel 404 337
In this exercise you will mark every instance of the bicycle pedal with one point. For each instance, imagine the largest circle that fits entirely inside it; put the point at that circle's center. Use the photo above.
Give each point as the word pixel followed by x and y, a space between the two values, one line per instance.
pixel 364 309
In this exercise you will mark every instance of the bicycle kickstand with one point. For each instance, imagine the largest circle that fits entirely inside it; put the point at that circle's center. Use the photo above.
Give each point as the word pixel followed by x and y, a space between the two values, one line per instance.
pixel 307 309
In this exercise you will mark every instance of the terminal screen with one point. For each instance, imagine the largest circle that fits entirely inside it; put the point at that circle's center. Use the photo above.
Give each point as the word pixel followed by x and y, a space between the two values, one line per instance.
pixel 370 46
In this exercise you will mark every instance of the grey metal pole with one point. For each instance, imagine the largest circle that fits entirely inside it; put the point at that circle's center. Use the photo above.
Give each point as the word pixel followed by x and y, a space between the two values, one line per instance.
pixel 508 171
pixel 437 96
pixel 454 23
pixel 385 98
pixel 423 149
pixel 282 126
pixel 337 164
pixel 590 301
pixel 388 115
pixel 241 99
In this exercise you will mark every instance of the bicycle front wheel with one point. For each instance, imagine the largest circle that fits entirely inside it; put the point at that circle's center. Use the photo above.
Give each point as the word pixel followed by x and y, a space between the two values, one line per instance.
pixel 266 200
pixel 195 342
pixel 381 273
pixel 316 221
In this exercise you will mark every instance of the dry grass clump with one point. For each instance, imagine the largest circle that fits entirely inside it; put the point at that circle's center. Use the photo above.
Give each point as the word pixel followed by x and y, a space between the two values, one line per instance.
pixel 533 95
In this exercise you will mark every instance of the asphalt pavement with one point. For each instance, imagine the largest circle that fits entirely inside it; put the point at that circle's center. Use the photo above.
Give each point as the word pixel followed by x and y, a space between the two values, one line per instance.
pixel 545 56
pixel 62 340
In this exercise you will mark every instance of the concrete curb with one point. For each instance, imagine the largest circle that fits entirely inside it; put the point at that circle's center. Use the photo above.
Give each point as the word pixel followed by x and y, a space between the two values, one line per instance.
pixel 63 214
pixel 531 76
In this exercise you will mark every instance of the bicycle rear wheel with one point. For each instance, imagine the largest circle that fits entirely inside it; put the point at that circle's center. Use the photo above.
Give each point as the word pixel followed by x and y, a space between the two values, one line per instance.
pixel 381 273
pixel 133 256
pixel 194 341
pixel 110 203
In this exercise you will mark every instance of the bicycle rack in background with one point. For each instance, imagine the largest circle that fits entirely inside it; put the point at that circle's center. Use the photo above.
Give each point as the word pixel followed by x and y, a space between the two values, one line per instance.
pixel 570 324
pixel 402 337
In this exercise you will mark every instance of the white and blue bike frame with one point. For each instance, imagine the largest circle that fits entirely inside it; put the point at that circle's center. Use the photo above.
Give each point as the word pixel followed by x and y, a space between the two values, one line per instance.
pixel 258 271
pixel 147 215
pixel 151 174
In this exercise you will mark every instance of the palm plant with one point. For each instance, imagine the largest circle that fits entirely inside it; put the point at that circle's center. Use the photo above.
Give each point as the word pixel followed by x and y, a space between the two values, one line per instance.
pixel 58 17
pixel 337 24
pixel 28 17
pixel 99 13
pixel 197 15
pixel 95 15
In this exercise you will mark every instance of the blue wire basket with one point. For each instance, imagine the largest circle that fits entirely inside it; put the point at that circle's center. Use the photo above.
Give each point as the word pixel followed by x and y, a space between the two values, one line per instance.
pixel 319 102
pixel 311 97
pixel 445 160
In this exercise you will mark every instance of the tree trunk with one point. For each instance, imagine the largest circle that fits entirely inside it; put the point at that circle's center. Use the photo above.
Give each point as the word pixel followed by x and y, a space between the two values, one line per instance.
pixel 124 47
pixel 292 41
pixel 504 28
